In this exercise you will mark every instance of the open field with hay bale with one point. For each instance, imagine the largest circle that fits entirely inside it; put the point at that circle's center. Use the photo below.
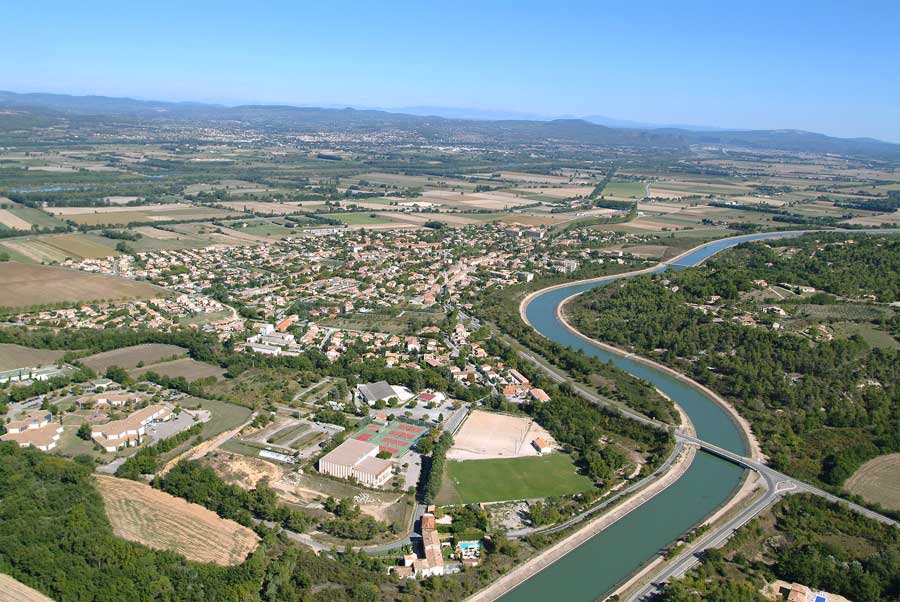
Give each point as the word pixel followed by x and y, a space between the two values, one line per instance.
pixel 24 285
pixel 161 521
pixel 492 435
pixel 130 357
pixel 878 481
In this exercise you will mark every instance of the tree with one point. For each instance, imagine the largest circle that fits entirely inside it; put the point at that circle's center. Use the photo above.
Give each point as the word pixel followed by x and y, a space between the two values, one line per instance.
pixel 84 431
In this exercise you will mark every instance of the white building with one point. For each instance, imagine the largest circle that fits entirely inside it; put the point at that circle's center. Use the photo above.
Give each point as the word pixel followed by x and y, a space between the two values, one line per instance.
pixel 354 459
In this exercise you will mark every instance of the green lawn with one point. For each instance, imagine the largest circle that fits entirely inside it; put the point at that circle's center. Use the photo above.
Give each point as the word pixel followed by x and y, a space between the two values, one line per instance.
pixel 531 477
pixel 225 416
pixel 359 218
pixel 633 190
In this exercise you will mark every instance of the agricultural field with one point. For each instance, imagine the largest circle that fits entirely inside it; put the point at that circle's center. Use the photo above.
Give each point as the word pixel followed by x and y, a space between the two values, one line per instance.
pixel 15 591
pixel 262 228
pixel 161 521
pixel 60 247
pixel 878 481
pixel 12 221
pixel 26 285
pixel 536 477
pixel 16 356
pixel 361 218
pixel 23 218
pixel 270 208
pixel 628 190
pixel 187 368
pixel 130 357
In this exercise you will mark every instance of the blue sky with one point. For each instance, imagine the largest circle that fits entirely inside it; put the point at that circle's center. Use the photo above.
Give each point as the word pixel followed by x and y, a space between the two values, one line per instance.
pixel 832 67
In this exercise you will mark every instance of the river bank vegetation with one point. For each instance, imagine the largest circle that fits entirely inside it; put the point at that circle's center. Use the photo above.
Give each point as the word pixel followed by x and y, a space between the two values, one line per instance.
pixel 783 329
pixel 802 539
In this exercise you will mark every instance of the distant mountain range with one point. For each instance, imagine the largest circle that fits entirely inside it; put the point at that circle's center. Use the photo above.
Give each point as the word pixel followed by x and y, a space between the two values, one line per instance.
pixel 489 125
pixel 488 115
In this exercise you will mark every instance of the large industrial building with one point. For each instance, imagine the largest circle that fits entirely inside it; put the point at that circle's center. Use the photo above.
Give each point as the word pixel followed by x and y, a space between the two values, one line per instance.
pixel 355 459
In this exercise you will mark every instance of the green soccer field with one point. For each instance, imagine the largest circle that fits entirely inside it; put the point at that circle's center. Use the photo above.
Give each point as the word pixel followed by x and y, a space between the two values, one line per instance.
pixel 474 481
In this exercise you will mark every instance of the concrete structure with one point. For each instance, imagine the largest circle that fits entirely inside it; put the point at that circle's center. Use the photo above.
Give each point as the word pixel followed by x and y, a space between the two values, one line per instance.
pixel 129 431
pixel 354 459
pixel 37 429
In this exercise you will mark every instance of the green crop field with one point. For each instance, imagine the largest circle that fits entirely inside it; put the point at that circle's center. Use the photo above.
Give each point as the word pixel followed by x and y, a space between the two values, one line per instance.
pixel 531 477
pixel 634 190
pixel 359 218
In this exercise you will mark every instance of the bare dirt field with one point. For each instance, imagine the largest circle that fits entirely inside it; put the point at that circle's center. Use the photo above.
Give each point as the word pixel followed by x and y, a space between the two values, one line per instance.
pixel 23 285
pixel 121 200
pixel 243 470
pixel 161 521
pixel 188 368
pixel 13 221
pixel 490 435
pixel 16 356
pixel 130 357
pixel 15 591
pixel 878 480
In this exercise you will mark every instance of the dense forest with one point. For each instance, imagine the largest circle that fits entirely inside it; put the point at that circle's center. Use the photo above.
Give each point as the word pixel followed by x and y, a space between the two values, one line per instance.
pixel 55 537
pixel 821 406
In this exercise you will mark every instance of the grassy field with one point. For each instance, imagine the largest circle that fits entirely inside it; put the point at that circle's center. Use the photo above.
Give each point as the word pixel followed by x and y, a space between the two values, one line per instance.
pixel 262 228
pixel 359 218
pixel 24 285
pixel 16 356
pixel 532 477
pixel 878 480
pixel 631 190
pixel 59 247
pixel 161 521
pixel 188 368
pixel 36 216
pixel 130 357
pixel 225 416
pixel 871 335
